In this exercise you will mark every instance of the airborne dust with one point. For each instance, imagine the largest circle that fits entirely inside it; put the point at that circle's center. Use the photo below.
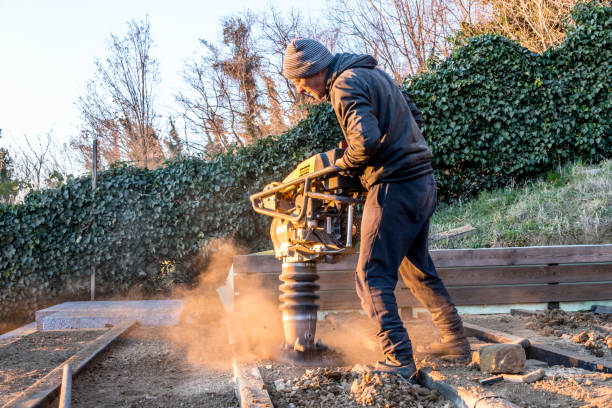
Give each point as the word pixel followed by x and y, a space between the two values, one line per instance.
pixel 210 334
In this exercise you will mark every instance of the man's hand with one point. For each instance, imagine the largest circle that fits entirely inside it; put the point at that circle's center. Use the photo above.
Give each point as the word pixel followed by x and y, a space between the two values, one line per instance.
pixel 345 171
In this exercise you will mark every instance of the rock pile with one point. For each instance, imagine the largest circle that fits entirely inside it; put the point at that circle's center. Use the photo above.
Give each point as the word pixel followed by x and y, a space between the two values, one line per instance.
pixel 594 342
pixel 342 387
pixel 590 329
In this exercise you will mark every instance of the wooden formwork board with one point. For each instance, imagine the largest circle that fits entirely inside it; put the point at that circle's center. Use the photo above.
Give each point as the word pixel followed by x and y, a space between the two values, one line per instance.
pixel 463 398
pixel 43 390
pixel 250 388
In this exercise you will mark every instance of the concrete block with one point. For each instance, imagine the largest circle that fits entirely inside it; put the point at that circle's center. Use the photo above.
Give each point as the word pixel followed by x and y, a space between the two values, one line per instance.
pixel 100 314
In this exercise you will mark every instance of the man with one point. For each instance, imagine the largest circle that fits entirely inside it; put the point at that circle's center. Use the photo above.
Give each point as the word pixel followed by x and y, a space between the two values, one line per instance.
pixel 388 151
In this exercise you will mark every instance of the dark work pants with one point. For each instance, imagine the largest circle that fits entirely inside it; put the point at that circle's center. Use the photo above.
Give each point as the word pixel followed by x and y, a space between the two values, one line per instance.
pixel 394 233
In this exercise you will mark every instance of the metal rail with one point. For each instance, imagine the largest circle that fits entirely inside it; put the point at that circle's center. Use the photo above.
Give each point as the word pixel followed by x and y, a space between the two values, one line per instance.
pixel 45 389
pixel 257 198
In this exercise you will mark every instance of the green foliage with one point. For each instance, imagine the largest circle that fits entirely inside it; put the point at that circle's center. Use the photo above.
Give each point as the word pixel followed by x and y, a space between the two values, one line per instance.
pixel 495 114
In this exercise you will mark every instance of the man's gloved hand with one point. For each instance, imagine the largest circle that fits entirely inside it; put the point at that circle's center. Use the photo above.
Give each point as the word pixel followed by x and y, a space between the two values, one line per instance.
pixel 345 170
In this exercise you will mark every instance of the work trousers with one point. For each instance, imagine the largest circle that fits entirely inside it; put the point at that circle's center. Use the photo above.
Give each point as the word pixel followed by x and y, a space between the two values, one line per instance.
pixel 394 234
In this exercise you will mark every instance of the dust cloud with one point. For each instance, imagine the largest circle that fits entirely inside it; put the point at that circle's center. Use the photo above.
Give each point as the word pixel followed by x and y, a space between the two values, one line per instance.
pixel 211 335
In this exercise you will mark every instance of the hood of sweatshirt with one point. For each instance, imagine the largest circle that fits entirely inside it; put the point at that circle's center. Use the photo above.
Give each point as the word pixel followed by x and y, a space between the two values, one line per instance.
pixel 342 62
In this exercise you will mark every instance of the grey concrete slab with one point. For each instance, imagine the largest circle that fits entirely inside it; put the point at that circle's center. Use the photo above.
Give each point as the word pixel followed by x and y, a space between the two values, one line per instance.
pixel 99 314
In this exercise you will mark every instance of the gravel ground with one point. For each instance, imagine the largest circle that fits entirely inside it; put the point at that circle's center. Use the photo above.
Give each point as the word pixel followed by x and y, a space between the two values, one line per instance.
pixel 562 387
pixel 293 387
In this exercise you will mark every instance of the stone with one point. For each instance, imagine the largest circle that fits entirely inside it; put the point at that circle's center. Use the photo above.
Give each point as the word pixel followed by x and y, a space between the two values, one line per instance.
pixel 533 376
pixel 279 385
pixel 581 337
pixel 502 358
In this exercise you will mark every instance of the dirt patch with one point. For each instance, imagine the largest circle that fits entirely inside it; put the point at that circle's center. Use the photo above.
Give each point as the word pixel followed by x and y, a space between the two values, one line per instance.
pixel 562 386
pixel 583 333
pixel 30 358
pixel 145 369
pixel 292 387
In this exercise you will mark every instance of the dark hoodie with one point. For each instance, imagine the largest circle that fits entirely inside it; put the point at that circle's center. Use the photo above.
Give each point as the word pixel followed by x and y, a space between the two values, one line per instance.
pixel 384 141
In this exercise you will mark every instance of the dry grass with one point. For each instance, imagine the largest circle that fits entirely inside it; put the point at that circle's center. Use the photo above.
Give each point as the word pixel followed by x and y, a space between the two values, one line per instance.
pixel 570 205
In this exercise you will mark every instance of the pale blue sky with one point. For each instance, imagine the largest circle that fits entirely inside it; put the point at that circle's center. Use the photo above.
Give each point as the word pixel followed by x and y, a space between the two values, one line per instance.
pixel 47 51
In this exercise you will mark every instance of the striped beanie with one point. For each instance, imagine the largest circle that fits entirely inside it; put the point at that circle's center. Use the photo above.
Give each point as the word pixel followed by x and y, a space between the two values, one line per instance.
pixel 304 58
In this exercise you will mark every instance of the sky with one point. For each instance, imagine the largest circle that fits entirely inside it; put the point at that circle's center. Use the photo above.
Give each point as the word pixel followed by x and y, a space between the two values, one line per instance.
pixel 48 49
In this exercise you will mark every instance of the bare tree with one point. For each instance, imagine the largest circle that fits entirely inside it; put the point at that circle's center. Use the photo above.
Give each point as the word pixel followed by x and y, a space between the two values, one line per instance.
pixel 535 24
pixel 228 91
pixel 276 30
pixel 236 90
pixel 208 106
pixel 402 34
pixel 118 107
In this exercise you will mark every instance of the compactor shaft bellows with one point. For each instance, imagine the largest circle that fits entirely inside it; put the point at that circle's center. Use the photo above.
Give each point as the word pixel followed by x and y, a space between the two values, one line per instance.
pixel 299 310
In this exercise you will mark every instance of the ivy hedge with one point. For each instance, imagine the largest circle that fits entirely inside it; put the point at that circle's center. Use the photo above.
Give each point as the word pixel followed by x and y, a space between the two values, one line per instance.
pixel 494 112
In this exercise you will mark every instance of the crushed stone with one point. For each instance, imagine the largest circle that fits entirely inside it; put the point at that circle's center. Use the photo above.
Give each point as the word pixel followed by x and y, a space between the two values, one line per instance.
pixel 346 387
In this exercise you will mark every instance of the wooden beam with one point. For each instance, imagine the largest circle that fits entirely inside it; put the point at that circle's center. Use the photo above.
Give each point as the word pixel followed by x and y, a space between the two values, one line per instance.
pixel 542 255
pixel 555 356
pixel 487 276
pixel 250 388
pixel 477 295
pixel 443 258
pixel 454 233
pixel 472 330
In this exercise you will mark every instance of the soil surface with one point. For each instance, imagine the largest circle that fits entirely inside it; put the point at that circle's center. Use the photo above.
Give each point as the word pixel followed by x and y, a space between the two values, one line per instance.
pixel 561 387
pixel 146 369
pixel 583 333
pixel 31 357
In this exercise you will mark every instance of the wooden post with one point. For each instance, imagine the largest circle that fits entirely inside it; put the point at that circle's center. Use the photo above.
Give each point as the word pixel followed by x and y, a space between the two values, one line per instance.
pixel 65 391
pixel 94 182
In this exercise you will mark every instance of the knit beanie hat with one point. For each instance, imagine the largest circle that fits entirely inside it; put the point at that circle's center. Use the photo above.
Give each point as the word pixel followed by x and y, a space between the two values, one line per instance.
pixel 305 57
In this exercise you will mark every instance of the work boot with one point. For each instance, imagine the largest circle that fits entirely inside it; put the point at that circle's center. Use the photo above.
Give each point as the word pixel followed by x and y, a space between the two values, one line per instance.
pixel 406 372
pixel 449 346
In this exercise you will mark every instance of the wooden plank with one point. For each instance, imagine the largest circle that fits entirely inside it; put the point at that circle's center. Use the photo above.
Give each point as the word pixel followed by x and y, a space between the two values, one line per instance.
pixel 526 274
pixel 452 234
pixel 555 356
pixel 476 295
pixel 522 255
pixel 462 397
pixel 472 330
pixel 488 276
pixel 43 390
pixel 250 389
pixel 444 258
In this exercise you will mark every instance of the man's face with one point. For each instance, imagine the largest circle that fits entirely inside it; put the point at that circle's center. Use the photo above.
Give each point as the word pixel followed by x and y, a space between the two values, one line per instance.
pixel 314 85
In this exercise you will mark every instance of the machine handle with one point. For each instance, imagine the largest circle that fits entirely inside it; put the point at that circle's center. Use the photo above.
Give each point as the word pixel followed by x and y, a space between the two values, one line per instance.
pixel 257 198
